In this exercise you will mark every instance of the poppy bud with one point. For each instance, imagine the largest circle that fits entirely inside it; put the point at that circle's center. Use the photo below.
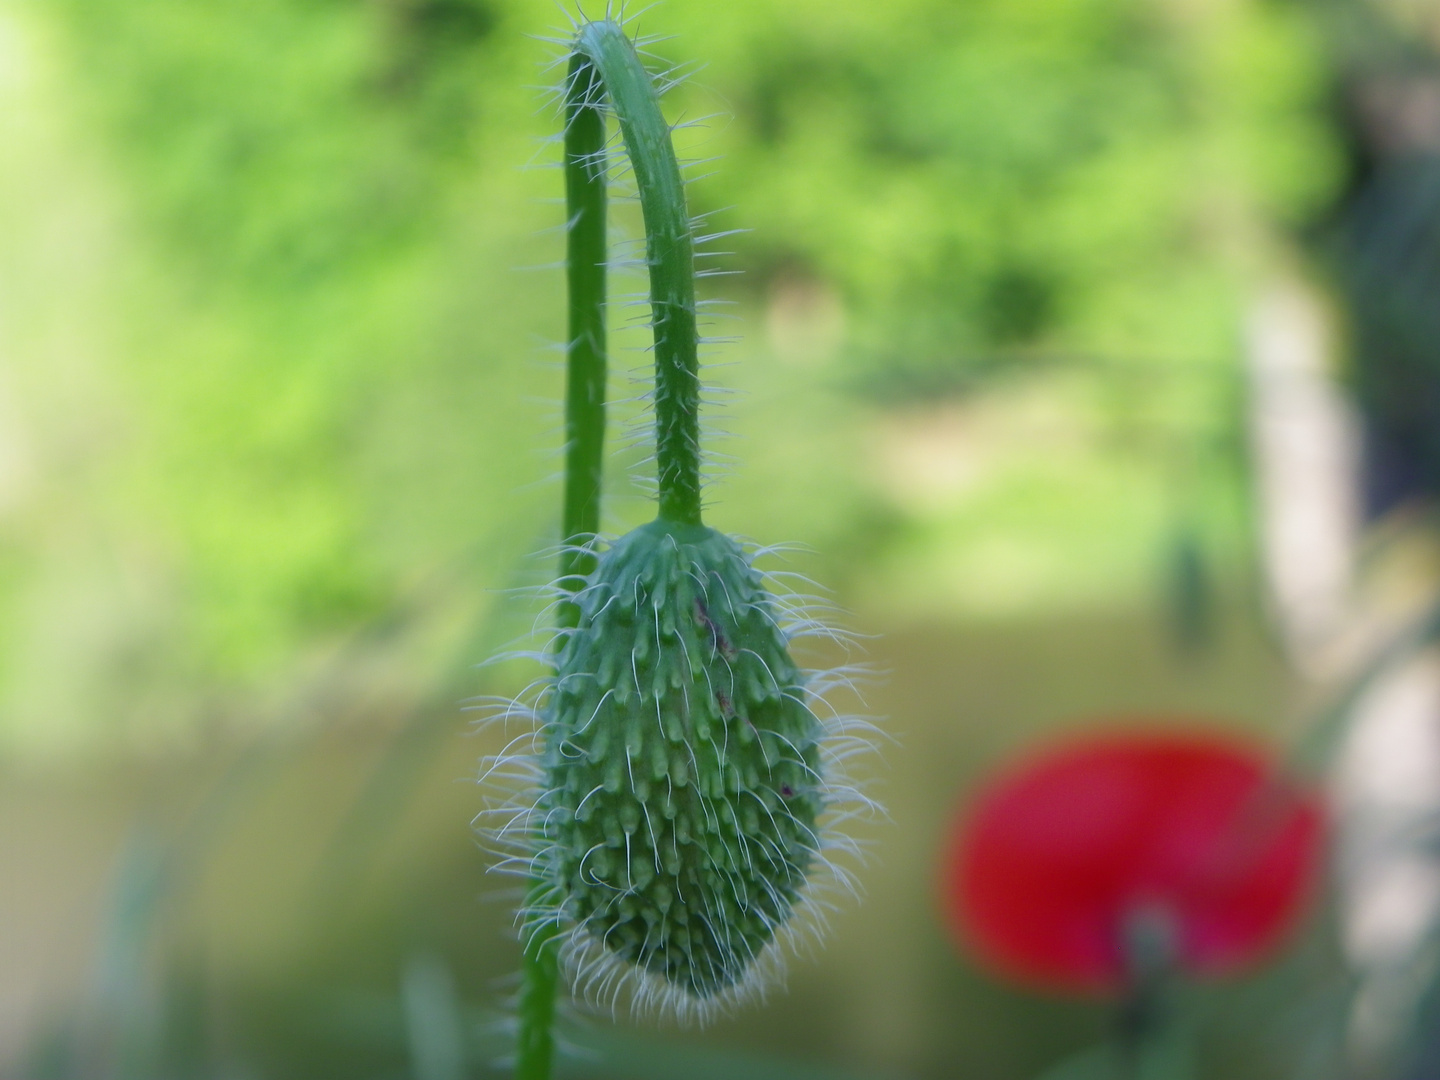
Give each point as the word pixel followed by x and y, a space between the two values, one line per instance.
pixel 681 765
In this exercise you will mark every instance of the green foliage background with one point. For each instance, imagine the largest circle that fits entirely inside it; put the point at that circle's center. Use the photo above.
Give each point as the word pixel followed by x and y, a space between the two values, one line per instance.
pixel 276 394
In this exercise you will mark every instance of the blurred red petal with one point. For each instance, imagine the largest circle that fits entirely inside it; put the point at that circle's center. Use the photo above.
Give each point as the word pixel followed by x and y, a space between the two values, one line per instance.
pixel 1044 869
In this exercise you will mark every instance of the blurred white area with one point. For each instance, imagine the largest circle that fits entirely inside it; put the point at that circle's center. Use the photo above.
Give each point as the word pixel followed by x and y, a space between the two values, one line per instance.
pixel 1305 453
pixel 1337 602
pixel 1387 789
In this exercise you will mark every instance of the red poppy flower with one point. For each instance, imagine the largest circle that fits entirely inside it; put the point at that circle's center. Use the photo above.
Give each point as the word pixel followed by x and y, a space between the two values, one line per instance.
pixel 1047 868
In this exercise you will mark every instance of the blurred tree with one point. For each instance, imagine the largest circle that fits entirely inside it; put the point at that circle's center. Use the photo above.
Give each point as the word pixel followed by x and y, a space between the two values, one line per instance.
pixel 986 180
pixel 1388 233
pixel 311 321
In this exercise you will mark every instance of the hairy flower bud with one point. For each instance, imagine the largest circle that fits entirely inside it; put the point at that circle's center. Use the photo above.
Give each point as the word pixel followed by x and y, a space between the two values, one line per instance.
pixel 681 763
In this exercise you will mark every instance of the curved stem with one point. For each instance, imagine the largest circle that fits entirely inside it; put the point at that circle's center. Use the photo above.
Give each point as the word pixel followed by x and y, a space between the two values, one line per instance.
pixel 669 251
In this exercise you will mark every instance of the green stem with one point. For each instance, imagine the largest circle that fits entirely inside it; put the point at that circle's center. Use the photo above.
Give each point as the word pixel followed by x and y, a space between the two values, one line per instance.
pixel 604 65
pixel 585 255
pixel 670 254
pixel 539 973
pixel 1153 1038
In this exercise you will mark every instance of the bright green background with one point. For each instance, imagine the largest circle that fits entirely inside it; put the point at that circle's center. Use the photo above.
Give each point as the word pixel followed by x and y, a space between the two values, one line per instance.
pixel 271 375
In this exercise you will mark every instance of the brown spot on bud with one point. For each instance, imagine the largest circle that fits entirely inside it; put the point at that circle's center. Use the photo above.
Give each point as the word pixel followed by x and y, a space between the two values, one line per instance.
pixel 717 636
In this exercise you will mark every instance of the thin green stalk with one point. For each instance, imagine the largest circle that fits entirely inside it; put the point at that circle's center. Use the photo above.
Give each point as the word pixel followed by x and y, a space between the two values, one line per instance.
pixel 585 254
pixel 604 65
pixel 670 254
pixel 1153 1038
pixel 585 354
pixel 539 974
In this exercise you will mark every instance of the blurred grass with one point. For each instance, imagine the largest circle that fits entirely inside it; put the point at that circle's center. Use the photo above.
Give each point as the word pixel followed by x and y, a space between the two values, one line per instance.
pixel 280 973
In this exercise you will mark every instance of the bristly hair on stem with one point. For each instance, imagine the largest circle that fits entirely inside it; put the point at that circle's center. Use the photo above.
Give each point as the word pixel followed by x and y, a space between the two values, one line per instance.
pixel 604 57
